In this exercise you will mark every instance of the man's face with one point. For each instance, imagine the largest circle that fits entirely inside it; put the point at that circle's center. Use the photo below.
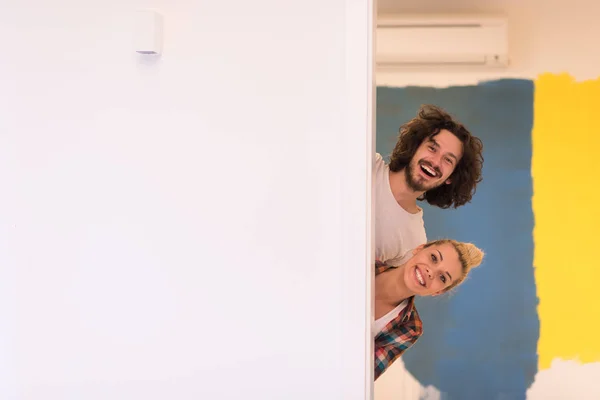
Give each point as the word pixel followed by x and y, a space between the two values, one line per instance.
pixel 434 161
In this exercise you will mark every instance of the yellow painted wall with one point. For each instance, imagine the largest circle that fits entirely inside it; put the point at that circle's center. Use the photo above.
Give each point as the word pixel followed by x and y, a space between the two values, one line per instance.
pixel 566 204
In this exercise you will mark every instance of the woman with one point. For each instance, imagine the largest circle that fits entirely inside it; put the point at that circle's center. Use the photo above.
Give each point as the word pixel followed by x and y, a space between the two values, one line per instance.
pixel 434 268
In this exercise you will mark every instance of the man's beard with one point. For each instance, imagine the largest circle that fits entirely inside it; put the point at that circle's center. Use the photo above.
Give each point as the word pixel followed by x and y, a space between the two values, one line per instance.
pixel 416 184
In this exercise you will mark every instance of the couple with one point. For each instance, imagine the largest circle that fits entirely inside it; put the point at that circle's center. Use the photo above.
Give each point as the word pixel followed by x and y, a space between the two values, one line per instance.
pixel 436 159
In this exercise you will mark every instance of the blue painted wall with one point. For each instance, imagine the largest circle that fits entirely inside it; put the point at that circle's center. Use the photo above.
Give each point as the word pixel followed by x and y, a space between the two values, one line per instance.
pixel 480 342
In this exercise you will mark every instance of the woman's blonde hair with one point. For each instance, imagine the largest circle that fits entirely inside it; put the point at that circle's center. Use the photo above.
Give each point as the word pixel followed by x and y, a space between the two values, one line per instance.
pixel 469 255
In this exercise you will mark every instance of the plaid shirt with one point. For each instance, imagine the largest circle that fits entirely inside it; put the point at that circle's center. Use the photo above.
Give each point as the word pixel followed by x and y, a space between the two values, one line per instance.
pixel 398 335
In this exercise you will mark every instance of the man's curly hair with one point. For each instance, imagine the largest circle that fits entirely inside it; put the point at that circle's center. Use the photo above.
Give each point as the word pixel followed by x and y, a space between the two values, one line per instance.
pixel 430 120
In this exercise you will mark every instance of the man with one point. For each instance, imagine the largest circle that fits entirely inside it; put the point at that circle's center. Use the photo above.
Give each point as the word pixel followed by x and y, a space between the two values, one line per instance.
pixel 436 159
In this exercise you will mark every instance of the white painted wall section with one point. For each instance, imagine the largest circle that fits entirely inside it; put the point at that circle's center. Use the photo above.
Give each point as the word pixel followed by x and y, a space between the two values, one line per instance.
pixel 195 226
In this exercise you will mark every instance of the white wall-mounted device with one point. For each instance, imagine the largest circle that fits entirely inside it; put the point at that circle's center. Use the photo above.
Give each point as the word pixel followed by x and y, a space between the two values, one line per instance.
pixel 441 40
pixel 148 34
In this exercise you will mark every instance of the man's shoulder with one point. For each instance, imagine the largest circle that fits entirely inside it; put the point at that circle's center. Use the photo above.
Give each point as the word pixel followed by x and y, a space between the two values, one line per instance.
pixel 379 169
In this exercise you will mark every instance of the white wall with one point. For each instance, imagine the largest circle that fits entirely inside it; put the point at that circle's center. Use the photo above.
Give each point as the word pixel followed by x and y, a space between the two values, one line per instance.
pixel 195 227
pixel 544 36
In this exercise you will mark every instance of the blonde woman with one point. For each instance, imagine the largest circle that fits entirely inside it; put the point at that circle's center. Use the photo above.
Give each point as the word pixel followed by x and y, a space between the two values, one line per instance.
pixel 429 270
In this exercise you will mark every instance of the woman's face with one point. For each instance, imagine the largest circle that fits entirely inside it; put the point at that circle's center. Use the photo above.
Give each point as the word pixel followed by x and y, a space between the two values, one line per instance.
pixel 432 269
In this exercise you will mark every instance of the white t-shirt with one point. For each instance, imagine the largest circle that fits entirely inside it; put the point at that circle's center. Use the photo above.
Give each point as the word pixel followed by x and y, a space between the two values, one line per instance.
pixel 396 230
pixel 383 321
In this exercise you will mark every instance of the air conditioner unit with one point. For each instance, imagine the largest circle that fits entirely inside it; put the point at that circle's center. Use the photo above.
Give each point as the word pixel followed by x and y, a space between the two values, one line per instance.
pixel 441 40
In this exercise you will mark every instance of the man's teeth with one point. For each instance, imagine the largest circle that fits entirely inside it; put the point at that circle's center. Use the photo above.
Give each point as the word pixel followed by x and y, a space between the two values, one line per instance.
pixel 428 170
pixel 419 277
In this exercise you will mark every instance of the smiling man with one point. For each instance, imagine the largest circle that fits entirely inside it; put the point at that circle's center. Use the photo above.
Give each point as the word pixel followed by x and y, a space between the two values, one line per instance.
pixel 436 159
